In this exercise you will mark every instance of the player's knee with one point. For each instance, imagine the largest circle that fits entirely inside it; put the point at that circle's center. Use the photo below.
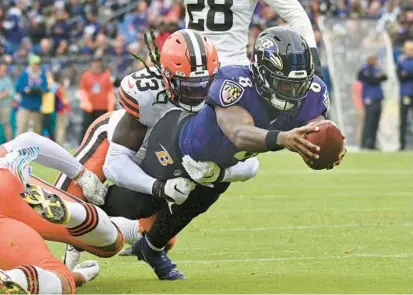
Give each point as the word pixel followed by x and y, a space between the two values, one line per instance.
pixel 26 138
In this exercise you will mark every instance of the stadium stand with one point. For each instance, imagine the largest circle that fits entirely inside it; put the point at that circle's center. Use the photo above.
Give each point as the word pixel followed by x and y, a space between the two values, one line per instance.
pixel 66 33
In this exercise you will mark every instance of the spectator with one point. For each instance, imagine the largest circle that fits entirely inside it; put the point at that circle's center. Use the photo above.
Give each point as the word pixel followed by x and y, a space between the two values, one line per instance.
pixel 164 33
pixel 359 107
pixel 6 99
pixel 37 31
pixel 62 109
pixel 14 27
pixel 60 32
pixel 405 74
pixel 371 77
pixel 49 104
pixel 135 22
pixel 96 93
pixel 31 84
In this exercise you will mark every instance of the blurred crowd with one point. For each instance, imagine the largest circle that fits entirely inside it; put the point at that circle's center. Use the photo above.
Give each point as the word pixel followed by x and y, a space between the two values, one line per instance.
pixel 67 34
pixel 75 28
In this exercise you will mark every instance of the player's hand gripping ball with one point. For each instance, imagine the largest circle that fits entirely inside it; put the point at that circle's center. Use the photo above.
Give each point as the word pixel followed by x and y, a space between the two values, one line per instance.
pixel 331 143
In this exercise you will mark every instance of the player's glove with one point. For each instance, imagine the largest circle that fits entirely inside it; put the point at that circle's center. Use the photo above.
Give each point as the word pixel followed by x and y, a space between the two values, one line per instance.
pixel 174 191
pixel 93 189
pixel 203 172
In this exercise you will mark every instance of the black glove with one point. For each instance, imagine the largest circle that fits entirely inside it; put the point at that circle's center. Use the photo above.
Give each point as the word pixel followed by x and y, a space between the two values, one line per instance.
pixel 317 63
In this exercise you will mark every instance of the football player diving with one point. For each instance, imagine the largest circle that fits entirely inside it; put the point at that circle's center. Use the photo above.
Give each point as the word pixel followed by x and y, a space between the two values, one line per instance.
pixel 266 106
pixel 116 145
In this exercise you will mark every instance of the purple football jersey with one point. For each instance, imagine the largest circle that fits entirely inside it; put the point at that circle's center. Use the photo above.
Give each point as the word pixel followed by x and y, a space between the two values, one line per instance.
pixel 203 140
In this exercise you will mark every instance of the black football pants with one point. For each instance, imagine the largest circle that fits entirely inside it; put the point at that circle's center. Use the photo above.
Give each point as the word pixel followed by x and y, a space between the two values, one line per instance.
pixel 133 205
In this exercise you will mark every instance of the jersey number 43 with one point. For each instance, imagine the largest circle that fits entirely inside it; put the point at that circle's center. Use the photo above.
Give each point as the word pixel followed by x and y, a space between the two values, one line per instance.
pixel 211 25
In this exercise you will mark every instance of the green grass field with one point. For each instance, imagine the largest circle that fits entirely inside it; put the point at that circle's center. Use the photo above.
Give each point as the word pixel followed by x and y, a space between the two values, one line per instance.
pixel 291 230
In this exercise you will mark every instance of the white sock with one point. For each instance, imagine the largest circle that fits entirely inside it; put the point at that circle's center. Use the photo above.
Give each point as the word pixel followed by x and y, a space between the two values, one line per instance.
pixel 50 155
pixel 36 280
pixel 78 214
pixel 91 225
pixel 129 228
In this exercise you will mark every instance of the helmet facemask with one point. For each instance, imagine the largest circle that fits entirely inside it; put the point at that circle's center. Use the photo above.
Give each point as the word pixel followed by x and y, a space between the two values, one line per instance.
pixel 283 93
pixel 189 93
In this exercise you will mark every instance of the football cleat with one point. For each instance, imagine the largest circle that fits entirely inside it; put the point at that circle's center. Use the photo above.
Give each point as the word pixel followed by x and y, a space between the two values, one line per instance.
pixel 126 252
pixel 72 257
pixel 50 206
pixel 8 286
pixel 164 268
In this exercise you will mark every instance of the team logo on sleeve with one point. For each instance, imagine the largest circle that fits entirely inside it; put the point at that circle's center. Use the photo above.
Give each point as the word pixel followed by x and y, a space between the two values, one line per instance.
pixel 163 157
pixel 231 92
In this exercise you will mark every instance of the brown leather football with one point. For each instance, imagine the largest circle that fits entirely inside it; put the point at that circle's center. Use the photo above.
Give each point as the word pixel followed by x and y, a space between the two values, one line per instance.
pixel 330 140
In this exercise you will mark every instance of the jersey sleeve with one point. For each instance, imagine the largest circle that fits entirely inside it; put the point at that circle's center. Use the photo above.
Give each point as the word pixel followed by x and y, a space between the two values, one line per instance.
pixel 317 103
pixel 225 93
pixel 129 97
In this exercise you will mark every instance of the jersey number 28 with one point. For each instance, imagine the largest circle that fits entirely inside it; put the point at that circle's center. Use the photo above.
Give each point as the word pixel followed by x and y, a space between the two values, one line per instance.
pixel 224 8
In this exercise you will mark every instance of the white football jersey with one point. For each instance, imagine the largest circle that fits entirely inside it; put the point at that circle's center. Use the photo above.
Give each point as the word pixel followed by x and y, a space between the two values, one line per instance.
pixel 141 94
pixel 226 24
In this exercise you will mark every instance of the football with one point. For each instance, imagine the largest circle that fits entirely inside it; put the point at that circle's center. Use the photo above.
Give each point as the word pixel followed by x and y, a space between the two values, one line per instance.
pixel 330 140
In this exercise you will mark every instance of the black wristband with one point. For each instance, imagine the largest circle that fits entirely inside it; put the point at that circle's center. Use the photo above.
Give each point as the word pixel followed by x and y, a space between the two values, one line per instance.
pixel 158 189
pixel 271 140
pixel 221 176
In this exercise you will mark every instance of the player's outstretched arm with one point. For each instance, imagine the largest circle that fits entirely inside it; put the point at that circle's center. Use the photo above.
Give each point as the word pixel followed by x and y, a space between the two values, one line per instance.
pixel 238 125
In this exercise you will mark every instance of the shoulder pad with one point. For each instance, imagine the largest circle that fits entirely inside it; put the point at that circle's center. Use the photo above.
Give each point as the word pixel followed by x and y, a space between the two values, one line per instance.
pixel 138 91
pixel 230 86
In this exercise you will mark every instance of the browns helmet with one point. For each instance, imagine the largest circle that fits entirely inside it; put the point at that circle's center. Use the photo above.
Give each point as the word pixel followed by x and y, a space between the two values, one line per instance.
pixel 189 65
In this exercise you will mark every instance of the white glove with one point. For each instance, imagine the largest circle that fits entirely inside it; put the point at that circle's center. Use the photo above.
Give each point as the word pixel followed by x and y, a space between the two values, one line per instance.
pixel 202 172
pixel 178 189
pixel 174 191
pixel 93 189
pixel 89 270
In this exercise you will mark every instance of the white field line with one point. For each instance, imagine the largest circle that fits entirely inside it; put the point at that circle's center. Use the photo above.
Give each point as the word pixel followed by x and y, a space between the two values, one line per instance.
pixel 308 227
pixel 273 259
pixel 340 194
pixel 329 210
pixel 407 172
